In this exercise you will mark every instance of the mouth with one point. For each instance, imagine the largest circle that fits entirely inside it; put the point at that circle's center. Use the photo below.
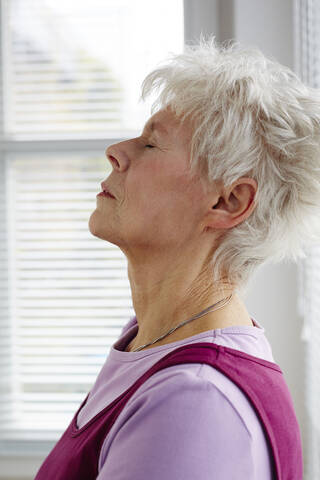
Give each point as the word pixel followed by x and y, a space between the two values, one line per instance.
pixel 105 194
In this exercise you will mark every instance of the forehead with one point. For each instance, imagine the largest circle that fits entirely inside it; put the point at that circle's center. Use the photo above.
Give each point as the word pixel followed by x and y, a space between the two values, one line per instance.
pixel 155 125
pixel 168 125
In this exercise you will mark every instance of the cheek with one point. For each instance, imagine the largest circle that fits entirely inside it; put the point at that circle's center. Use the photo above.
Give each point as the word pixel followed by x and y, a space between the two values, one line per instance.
pixel 172 207
pixel 151 185
pixel 159 192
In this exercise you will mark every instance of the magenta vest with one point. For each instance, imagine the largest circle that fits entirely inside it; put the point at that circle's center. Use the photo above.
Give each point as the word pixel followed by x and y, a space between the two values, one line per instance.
pixel 75 456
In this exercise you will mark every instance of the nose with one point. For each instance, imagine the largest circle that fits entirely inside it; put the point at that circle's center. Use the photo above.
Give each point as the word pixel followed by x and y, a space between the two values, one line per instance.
pixel 117 156
pixel 112 156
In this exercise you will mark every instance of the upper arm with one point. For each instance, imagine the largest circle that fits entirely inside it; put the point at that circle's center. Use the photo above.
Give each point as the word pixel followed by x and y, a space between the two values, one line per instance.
pixel 188 430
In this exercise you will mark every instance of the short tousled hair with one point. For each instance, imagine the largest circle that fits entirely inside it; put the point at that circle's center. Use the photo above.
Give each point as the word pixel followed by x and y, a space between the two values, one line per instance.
pixel 253 117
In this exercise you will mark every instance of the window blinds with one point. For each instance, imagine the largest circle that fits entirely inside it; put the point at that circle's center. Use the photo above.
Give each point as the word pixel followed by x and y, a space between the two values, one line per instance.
pixel 69 293
pixel 307 65
pixel 75 67
pixel 71 74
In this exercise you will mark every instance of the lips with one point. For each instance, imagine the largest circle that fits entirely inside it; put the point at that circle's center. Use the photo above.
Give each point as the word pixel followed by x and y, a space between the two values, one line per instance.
pixel 105 194
pixel 108 193
pixel 106 189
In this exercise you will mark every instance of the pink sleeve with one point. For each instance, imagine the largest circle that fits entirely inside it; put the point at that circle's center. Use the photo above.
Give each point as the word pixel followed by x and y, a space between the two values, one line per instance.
pixel 183 427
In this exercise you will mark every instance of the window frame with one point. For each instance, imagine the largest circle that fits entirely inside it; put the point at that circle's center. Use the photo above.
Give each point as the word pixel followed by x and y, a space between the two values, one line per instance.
pixel 22 459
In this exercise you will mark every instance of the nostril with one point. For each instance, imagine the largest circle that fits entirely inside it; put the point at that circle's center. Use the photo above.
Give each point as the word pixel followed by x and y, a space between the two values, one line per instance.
pixel 112 159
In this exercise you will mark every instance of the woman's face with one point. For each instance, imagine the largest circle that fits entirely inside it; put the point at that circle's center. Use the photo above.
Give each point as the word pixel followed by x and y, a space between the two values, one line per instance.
pixel 157 205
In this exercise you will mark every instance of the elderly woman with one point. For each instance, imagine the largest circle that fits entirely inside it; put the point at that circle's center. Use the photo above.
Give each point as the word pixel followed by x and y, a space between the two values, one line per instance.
pixel 224 177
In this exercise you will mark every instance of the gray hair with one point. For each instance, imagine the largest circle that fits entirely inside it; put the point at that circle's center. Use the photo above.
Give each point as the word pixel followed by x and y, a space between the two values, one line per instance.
pixel 253 117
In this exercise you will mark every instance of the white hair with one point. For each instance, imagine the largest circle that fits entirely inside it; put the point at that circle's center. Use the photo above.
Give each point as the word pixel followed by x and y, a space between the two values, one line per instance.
pixel 253 117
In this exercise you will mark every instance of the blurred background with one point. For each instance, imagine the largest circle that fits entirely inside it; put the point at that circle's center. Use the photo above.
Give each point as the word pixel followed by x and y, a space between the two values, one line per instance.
pixel 70 77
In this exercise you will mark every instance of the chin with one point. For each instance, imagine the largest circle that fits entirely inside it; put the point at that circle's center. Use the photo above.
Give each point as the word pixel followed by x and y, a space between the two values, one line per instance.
pixel 95 228
pixel 94 225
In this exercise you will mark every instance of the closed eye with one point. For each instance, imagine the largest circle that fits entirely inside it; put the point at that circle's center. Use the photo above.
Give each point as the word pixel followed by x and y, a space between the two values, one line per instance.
pixel 149 146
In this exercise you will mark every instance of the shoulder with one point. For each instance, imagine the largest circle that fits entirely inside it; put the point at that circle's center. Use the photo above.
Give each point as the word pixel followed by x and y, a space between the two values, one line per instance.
pixel 210 404
pixel 196 384
pixel 183 422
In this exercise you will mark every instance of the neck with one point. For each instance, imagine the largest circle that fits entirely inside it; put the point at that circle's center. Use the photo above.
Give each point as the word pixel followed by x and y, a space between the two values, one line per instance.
pixel 200 325
pixel 162 305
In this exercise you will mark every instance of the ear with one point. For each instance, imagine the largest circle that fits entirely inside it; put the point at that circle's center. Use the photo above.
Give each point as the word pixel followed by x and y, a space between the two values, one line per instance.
pixel 232 205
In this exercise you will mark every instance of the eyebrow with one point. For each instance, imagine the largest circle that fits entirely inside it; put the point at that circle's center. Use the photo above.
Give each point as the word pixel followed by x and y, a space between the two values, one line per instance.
pixel 155 125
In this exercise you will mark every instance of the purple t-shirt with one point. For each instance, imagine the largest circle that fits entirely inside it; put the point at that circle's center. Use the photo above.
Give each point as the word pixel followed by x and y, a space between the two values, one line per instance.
pixel 188 414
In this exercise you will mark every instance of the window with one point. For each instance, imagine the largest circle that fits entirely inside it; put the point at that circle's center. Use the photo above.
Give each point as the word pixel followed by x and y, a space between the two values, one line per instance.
pixel 71 72
pixel 307 63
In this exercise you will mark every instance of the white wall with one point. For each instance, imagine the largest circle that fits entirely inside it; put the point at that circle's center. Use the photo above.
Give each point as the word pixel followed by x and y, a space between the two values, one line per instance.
pixel 266 24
